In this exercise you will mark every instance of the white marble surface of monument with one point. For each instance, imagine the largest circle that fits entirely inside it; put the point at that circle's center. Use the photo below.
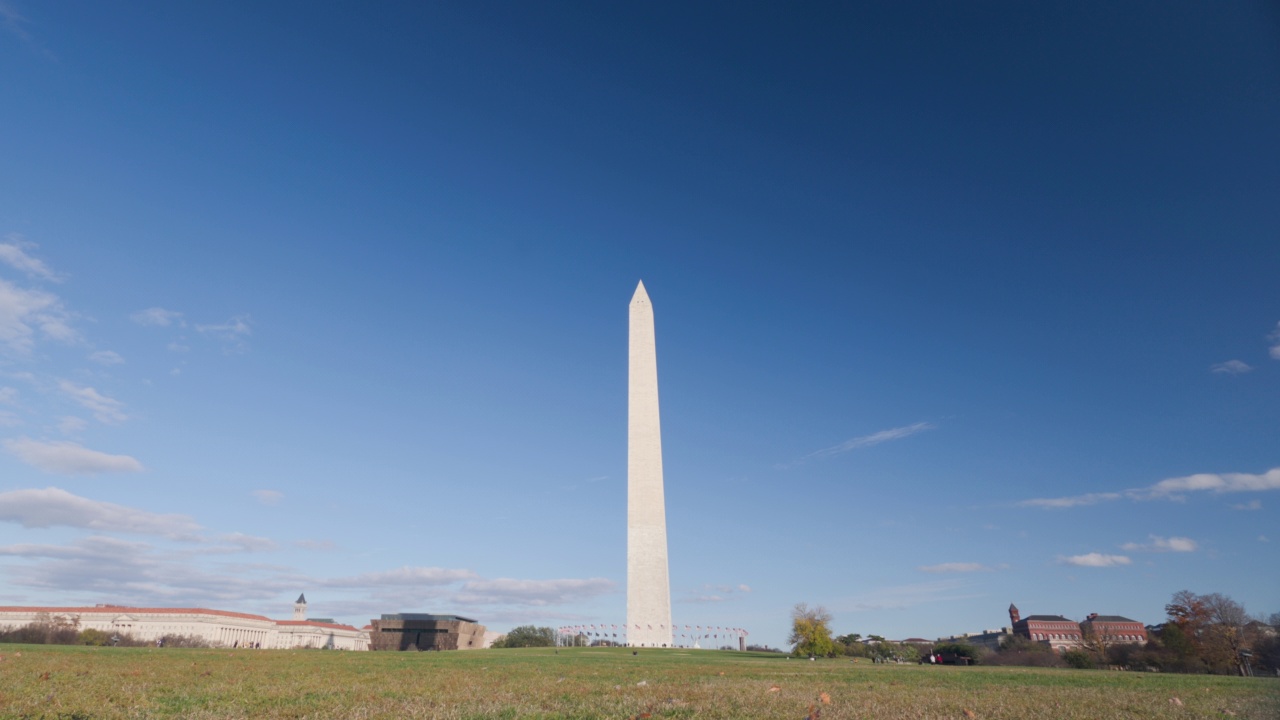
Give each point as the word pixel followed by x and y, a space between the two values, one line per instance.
pixel 648 583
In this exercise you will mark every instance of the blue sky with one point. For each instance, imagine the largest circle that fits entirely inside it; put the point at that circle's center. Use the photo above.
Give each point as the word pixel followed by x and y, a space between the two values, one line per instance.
pixel 957 305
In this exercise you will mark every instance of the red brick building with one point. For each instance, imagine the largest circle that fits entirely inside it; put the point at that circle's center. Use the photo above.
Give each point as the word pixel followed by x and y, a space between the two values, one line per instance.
pixel 1114 629
pixel 1055 631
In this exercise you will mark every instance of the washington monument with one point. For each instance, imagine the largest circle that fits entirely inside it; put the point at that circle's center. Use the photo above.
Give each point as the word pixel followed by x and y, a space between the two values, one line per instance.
pixel 648 585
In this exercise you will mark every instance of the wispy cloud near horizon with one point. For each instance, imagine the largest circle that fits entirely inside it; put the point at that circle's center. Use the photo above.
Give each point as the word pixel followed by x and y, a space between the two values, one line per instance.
pixel 13 252
pixel 956 567
pixel 1171 489
pixel 865 441
pixel 68 458
pixel 1098 560
pixel 1230 367
pixel 55 507
pixel 1161 544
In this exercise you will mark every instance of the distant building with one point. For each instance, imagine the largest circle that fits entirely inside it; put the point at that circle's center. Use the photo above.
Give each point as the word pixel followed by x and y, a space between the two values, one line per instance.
pixel 1114 629
pixel 1055 631
pixel 220 628
pixel 420 631
pixel 989 639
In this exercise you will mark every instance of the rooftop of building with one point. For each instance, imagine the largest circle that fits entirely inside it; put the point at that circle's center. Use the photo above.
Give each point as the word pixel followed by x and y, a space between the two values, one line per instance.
pixel 127 609
pixel 428 617
pixel 1047 618
pixel 316 623
pixel 131 610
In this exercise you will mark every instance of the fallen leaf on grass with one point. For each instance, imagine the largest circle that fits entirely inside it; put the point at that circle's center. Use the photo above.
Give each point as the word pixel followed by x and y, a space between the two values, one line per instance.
pixel 44 675
pixel 969 713
pixel 642 683
pixel 825 698
pixel 721 672
pixel 774 688
pixel 1175 701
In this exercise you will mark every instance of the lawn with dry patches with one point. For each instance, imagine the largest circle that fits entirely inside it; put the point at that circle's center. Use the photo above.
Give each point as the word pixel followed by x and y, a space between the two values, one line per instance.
pixel 80 683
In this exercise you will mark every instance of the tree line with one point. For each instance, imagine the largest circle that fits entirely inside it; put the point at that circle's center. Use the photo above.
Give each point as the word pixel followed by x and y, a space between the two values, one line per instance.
pixel 1209 633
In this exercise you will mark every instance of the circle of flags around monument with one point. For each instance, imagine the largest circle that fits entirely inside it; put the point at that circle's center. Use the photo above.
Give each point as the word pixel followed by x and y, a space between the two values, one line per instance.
pixel 690 634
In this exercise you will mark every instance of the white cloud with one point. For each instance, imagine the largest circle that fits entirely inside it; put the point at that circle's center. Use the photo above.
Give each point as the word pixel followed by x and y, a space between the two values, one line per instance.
pixel 24 312
pixel 409 576
pixel 1172 489
pixel 955 567
pixel 132 573
pixel 54 507
pixel 1230 367
pixel 1095 560
pixel 68 458
pixel 106 357
pixel 13 253
pixel 1251 505
pixel 157 316
pixel 1216 483
pixel 231 329
pixel 704 599
pixel 709 593
pixel 239 542
pixel 105 409
pixel 70 424
pixel 1072 501
pixel 1160 544
pixel 870 440
pixel 507 591
pixel 268 497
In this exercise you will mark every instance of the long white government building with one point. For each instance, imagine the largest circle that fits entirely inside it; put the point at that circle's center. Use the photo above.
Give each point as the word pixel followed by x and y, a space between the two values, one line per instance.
pixel 220 628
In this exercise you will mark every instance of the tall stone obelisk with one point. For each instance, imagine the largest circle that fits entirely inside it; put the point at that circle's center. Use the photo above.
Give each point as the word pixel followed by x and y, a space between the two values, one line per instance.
pixel 648 585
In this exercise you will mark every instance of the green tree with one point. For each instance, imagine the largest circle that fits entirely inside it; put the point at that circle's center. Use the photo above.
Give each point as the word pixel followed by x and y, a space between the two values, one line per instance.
pixel 973 652
pixel 1079 659
pixel 526 636
pixel 811 631
pixel 90 636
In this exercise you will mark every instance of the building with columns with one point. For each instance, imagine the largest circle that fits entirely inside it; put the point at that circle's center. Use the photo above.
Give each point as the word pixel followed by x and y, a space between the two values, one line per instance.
pixel 220 628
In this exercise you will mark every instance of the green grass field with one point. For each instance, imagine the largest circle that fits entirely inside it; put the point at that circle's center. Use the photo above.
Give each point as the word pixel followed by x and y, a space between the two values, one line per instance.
pixel 82 682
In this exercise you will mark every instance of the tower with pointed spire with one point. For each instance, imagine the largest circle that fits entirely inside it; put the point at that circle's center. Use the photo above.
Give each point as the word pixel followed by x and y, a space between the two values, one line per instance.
pixel 300 607
pixel 648 582
pixel 1014 615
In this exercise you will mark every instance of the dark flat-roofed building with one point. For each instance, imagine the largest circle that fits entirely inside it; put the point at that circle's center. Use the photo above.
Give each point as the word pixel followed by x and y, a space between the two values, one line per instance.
pixel 422 631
